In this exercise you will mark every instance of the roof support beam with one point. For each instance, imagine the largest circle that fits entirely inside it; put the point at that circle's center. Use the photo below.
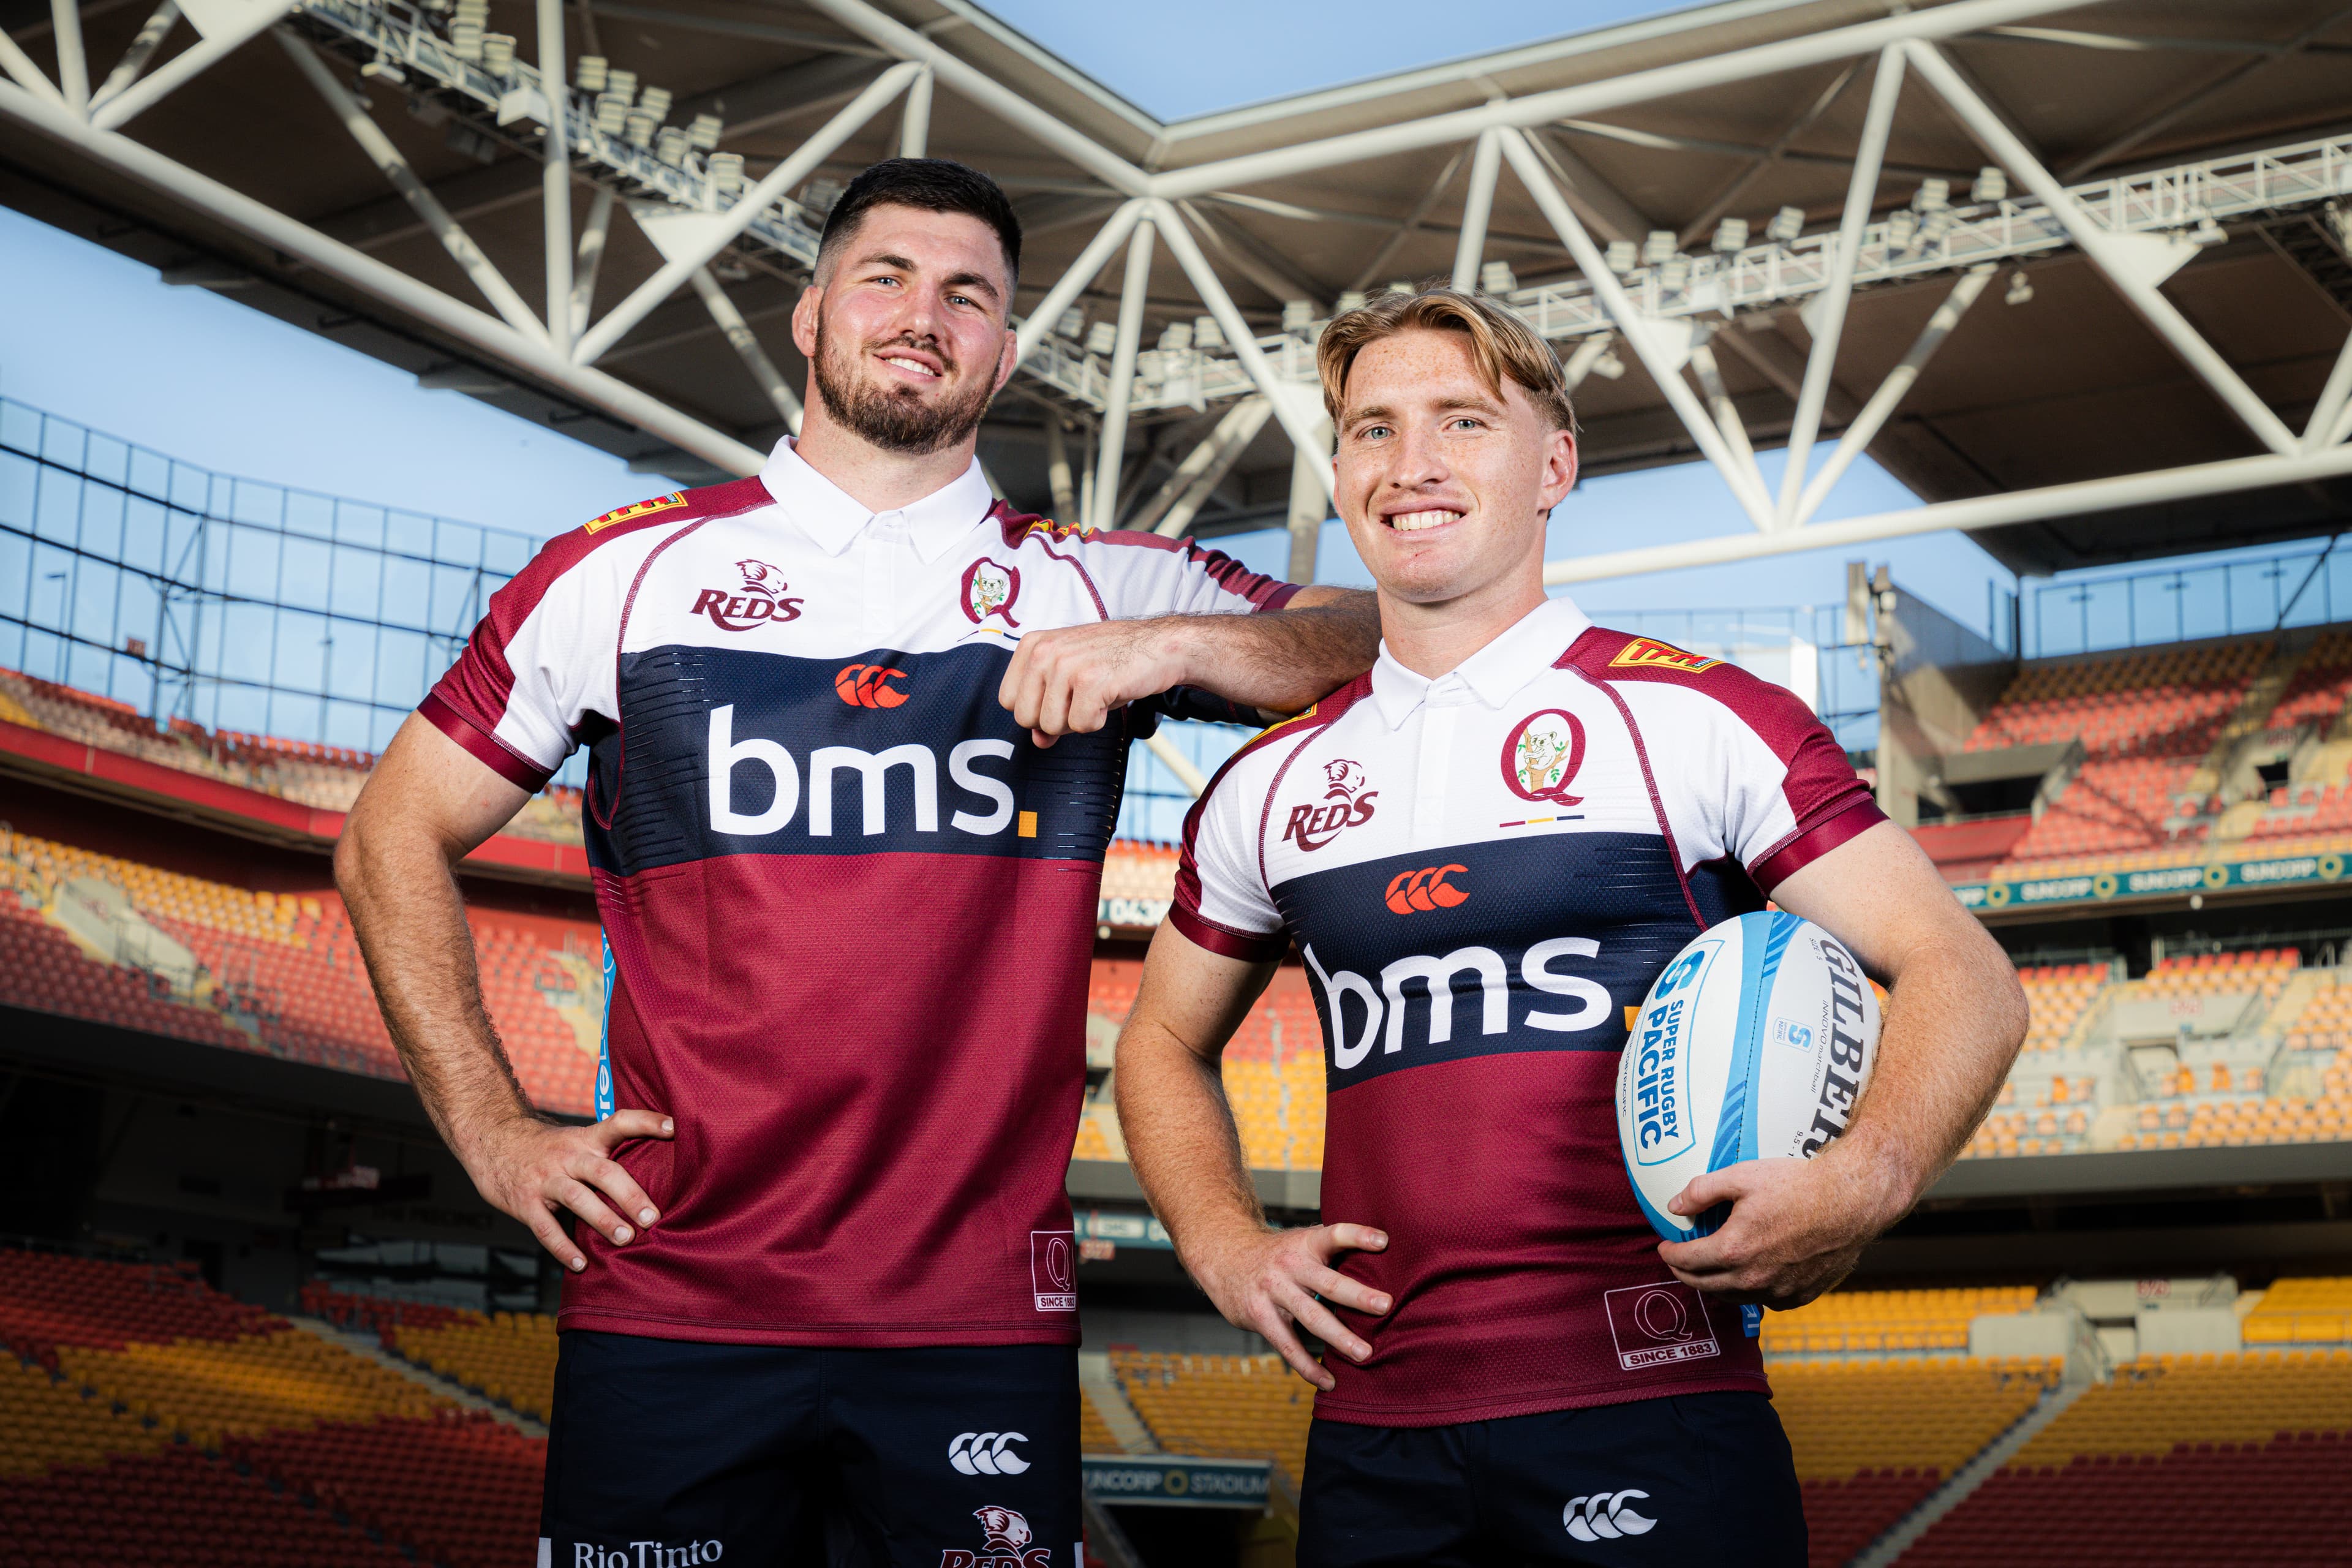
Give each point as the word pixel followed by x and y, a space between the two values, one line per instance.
pixel 73 61
pixel 1768 156
pixel 1405 231
pixel 915 125
pixel 151 36
pixel 1307 430
pixel 1664 370
pixel 2045 505
pixel 1590 98
pixel 1881 406
pixel 2120 256
pixel 531 353
pixel 746 344
pixel 26 74
pixel 588 260
pixel 555 176
pixel 1719 403
pixel 2327 424
pixel 148 91
pixel 1601 204
pixel 387 159
pixel 1477 206
pixel 1112 452
pixel 723 231
pixel 1828 326
pixel 1205 467
pixel 1253 257
pixel 1080 277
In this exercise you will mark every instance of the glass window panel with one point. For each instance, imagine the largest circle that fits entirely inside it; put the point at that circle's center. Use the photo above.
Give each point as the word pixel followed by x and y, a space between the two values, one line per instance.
pixel 303 568
pixel 250 500
pixel 57 506
pixel 61 442
pixel 358 523
pixel 20 427
pixel 252 556
pixel 309 514
pixel 19 475
pixel 247 632
pixel 300 658
pixel 359 580
pixel 407 591
pixel 151 474
pixel 101 521
pixel 110 459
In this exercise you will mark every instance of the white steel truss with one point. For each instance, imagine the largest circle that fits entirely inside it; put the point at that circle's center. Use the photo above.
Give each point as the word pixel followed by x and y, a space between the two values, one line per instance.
pixel 694 207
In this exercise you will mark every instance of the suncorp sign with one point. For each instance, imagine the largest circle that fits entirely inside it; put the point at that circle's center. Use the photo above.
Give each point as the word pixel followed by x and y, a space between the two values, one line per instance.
pixel 1172 1480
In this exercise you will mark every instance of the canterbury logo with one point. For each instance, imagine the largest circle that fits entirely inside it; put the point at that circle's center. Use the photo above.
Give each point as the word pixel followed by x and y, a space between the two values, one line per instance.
pixel 987 1453
pixel 1603 1516
pixel 1426 889
pixel 868 686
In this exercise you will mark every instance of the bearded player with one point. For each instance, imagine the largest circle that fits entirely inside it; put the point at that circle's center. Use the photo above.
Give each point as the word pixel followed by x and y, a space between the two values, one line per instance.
pixel 1540 814
pixel 819 1295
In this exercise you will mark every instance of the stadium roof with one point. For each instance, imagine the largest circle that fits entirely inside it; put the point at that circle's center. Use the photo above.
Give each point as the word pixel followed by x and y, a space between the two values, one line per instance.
pixel 2056 373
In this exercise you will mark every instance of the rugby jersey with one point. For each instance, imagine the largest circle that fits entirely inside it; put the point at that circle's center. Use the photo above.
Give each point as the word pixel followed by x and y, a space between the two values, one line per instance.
pixel 849 905
pixel 1484 873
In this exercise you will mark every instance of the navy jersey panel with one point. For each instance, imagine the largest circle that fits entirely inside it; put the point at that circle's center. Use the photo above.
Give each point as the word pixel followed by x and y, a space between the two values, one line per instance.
pixel 1689 1478
pixel 680 1454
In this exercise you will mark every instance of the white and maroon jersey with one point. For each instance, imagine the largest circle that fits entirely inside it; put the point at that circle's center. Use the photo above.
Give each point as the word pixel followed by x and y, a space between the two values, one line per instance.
pixel 849 904
pixel 1485 874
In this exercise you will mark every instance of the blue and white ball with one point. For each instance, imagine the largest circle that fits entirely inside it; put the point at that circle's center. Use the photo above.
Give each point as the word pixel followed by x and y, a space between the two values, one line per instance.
pixel 1755 1044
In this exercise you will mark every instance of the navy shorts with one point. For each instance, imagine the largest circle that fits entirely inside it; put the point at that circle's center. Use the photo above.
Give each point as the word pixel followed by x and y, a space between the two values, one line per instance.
pixel 667 1454
pixel 1694 1477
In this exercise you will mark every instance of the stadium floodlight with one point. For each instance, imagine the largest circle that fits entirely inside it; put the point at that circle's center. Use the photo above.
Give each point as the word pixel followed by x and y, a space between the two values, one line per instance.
pixel 669 145
pixel 624 82
pixel 1496 278
pixel 1623 257
pixel 656 101
pixel 1660 244
pixel 1786 226
pixel 1673 273
pixel 1206 334
pixel 465 38
pixel 612 113
pixel 1903 229
pixel 1350 300
pixel 383 68
pixel 1932 197
pixel 637 130
pixel 1730 235
pixel 1992 184
pixel 1400 286
pixel 1176 336
pixel 703 133
pixel 2207 231
pixel 2021 289
pixel 1609 367
pixel 1101 337
pixel 588 72
pixel 499 53
pixel 1073 324
pixel 1297 315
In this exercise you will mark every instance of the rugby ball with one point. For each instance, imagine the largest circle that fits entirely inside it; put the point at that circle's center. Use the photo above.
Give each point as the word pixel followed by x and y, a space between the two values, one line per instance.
pixel 1754 1043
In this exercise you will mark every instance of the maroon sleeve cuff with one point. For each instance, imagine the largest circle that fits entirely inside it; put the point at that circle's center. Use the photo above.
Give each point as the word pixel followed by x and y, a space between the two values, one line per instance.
pixel 1250 947
pixel 1810 844
pixel 484 747
pixel 1277 597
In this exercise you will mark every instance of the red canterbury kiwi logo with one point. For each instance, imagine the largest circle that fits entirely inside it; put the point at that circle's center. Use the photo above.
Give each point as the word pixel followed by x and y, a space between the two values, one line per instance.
pixel 1426 889
pixel 868 686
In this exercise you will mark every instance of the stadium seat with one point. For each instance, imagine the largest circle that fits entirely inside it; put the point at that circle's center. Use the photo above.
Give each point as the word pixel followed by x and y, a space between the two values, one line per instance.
pixel 1221 1407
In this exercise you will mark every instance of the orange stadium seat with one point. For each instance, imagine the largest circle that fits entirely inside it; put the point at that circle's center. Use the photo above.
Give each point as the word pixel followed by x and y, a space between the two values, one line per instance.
pixel 1221 1407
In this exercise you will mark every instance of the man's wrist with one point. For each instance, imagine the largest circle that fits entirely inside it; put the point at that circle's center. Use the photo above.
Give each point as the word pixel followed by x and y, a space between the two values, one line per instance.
pixel 1177 646
pixel 1886 1177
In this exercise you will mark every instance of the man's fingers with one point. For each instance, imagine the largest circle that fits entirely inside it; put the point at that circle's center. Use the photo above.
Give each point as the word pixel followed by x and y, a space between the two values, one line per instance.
pixel 582 1199
pixel 1316 1318
pixel 1277 1333
pixel 1334 1286
pixel 1706 1190
pixel 551 1236
pixel 624 1125
pixel 1356 1237
pixel 615 1182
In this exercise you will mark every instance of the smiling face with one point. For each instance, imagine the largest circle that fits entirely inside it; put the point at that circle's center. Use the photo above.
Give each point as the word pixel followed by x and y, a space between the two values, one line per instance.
pixel 1445 483
pixel 905 328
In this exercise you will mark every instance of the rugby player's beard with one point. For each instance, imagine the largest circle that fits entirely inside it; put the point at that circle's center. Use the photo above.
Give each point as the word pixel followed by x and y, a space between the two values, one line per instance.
pixel 896 419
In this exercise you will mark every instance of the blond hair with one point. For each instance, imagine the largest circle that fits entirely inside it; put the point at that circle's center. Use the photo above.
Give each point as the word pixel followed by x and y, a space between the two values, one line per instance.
pixel 1500 341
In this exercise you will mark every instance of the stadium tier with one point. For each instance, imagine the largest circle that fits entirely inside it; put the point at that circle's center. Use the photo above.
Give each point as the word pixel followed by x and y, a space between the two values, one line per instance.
pixel 122 941
pixel 141 1404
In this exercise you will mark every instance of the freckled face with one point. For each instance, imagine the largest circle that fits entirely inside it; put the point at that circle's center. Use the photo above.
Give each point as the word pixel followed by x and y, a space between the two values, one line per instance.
pixel 1445 484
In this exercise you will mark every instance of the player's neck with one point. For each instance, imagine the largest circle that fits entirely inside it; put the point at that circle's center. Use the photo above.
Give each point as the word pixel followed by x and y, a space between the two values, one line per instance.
pixel 876 478
pixel 1430 639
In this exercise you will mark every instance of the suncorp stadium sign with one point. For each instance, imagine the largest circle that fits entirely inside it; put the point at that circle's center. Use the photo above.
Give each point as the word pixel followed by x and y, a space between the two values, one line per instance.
pixel 2100 887
pixel 1173 1479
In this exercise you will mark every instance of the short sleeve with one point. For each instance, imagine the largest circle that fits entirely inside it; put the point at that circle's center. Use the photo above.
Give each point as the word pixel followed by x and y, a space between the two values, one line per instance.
pixel 1143 574
pixel 1221 900
pixel 538 664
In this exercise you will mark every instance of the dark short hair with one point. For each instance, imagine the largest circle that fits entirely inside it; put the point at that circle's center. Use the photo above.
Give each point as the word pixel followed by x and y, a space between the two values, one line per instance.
pixel 934 184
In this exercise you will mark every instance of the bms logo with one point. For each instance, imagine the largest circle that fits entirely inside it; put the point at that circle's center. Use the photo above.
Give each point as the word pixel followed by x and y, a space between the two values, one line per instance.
pixel 1349 805
pixel 1605 1516
pixel 987 1453
pixel 1384 1006
pixel 1004 1544
pixel 760 601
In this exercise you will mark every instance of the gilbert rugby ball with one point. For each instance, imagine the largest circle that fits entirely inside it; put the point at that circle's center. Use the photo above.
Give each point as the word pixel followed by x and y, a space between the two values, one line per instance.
pixel 1754 1043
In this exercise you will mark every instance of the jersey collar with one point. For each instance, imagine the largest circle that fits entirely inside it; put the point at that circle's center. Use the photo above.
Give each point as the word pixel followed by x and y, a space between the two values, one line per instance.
pixel 834 519
pixel 1533 643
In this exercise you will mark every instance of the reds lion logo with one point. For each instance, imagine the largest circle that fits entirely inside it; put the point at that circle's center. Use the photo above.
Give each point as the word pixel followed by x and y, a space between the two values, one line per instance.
pixel 760 601
pixel 1312 827
pixel 1541 755
pixel 1006 1543
pixel 989 589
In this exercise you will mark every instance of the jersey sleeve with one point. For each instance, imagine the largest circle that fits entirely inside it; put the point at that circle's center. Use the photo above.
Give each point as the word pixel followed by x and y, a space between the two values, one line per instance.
pixel 1143 574
pixel 1222 899
pixel 1748 773
pixel 538 664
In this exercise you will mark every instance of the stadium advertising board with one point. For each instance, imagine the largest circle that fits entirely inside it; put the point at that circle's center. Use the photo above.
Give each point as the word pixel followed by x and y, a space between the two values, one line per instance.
pixel 2316 869
pixel 1173 1480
